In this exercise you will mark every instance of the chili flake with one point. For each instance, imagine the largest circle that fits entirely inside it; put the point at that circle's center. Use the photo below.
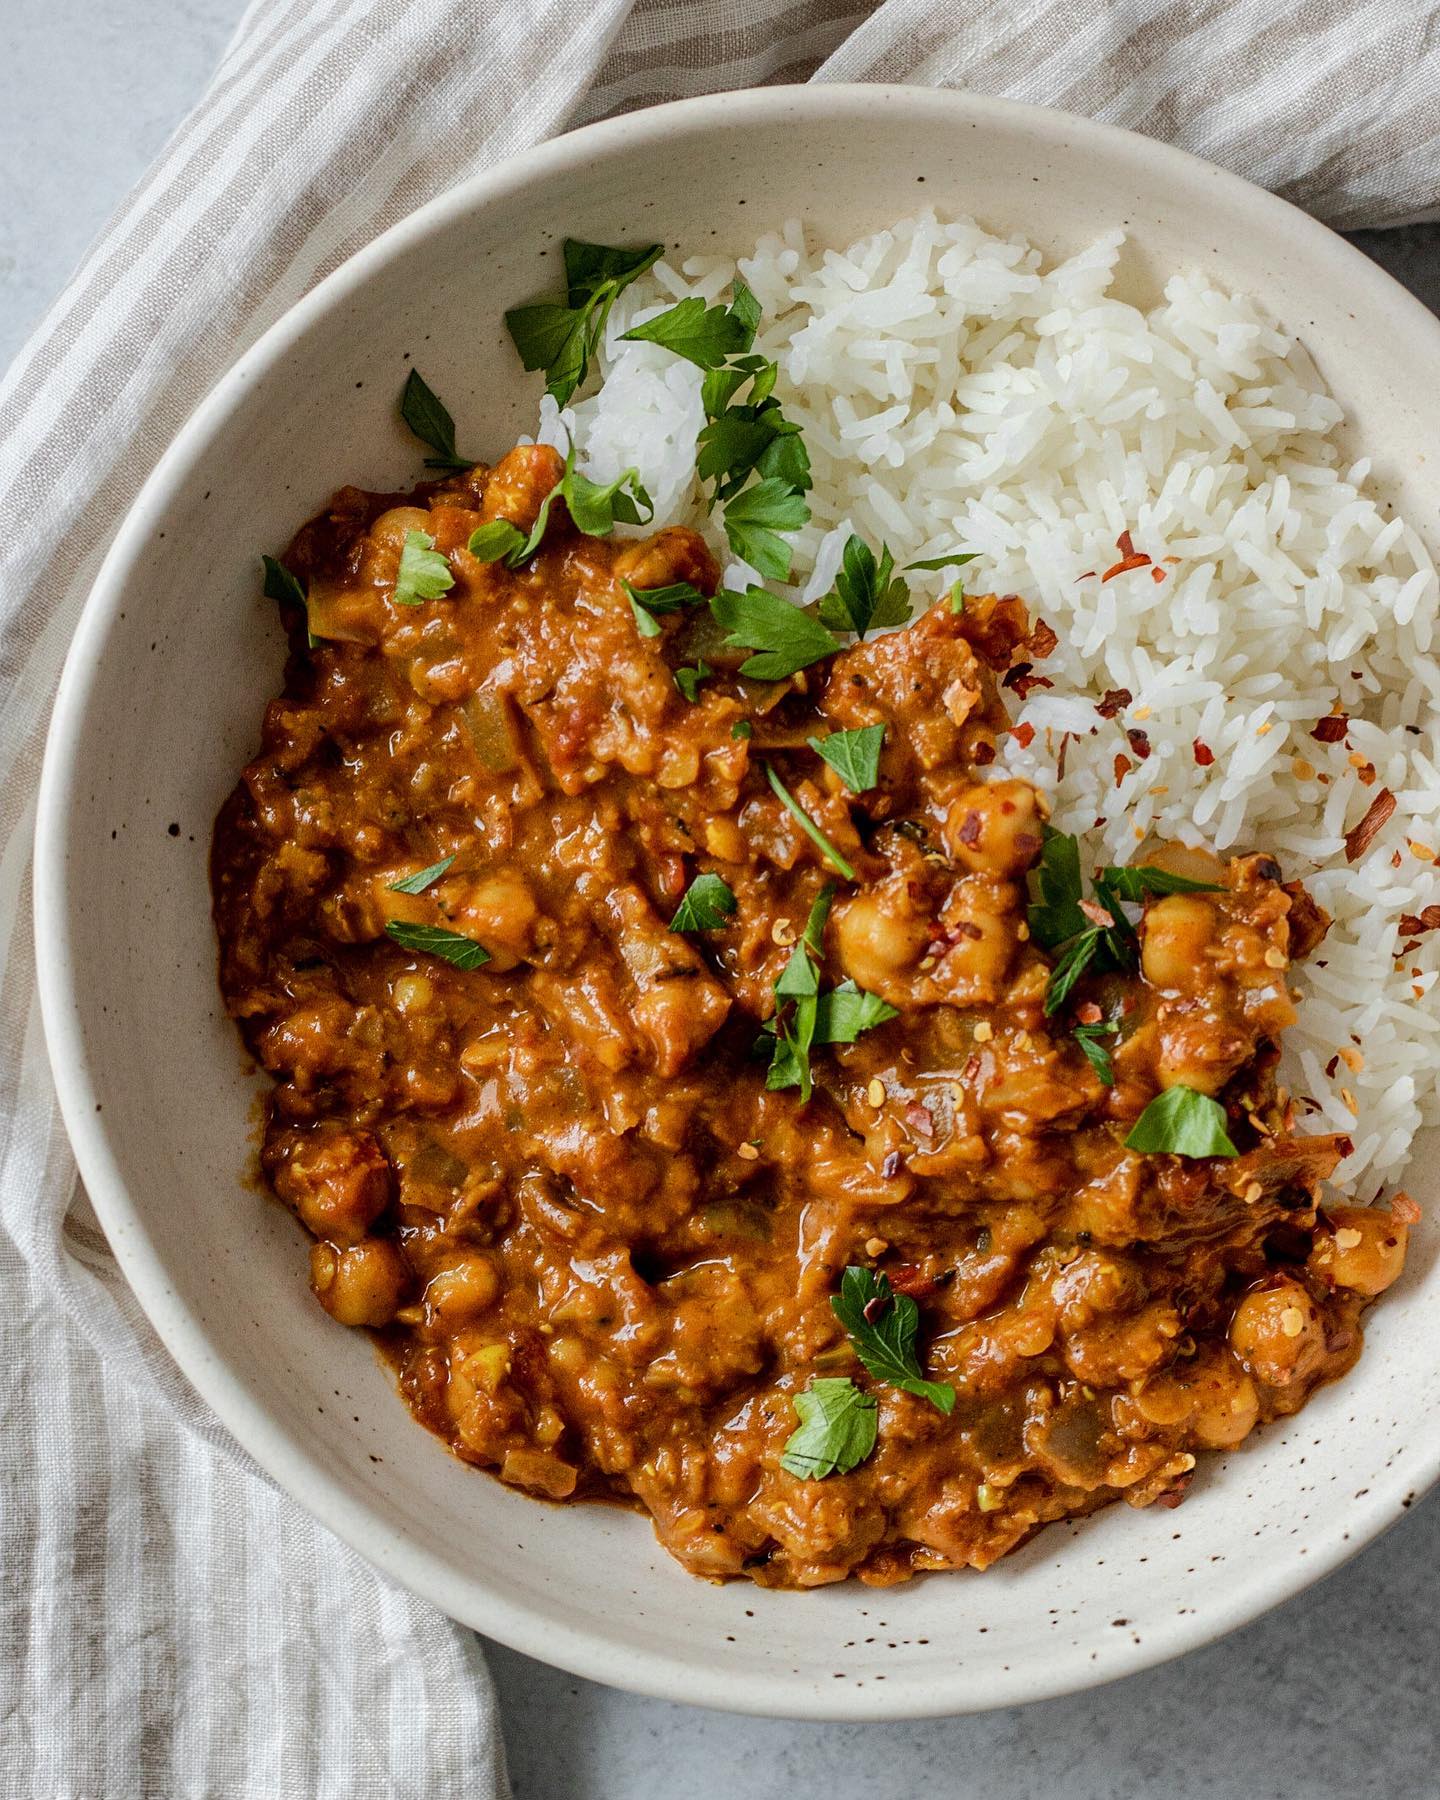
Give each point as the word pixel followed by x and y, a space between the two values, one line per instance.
pixel 1362 836
pixel 1203 754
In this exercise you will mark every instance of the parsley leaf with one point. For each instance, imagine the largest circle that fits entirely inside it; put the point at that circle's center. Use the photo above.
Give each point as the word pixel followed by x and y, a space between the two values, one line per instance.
pixel 754 520
pixel 422 879
pixel 562 339
pixel 705 336
pixel 807 824
pixel 1139 881
pixel 958 560
pixel 1181 1122
pixel 494 539
pixel 813 936
pixel 591 267
pixel 596 508
pixel 786 638
pixel 742 728
pixel 1056 916
pixel 426 415
pixel 866 592
pixel 424 574
pixel 434 940
pixel 707 904
pixel 846 1011
pixel 650 605
pixel 853 755
pixel 1088 1038
pixel 280 584
pixel 882 1326
pixel 837 1430
pixel 688 680
pixel 1071 964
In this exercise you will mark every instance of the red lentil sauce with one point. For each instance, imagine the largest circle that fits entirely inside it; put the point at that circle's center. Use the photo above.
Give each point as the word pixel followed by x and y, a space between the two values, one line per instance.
pixel 598 1251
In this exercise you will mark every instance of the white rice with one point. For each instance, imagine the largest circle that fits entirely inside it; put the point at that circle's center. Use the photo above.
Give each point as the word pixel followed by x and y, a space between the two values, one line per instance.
pixel 953 393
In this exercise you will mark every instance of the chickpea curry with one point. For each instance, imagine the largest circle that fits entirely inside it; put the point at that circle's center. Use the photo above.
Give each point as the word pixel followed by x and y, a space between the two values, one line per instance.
pixel 719 1093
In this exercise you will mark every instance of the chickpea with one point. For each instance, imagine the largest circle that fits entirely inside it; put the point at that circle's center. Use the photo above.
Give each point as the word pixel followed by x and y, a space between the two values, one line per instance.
pixel 1211 1397
pixel 674 554
pixel 980 924
pixel 469 1287
pixel 1363 1250
pixel 388 533
pixel 996 827
pixel 1175 934
pixel 880 938
pixel 501 912
pixel 362 1285
pixel 338 1182
pixel 519 483
pixel 1278 1334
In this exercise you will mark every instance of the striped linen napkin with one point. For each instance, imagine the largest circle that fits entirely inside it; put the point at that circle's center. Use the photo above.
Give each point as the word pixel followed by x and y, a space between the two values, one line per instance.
pixel 172 1626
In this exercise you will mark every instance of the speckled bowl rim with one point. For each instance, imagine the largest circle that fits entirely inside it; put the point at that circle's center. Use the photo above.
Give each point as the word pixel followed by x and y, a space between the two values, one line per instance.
pixel 284 1455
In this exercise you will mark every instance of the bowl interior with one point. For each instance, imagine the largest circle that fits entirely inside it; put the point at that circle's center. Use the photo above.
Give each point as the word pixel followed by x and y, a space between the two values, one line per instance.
pixel 161 707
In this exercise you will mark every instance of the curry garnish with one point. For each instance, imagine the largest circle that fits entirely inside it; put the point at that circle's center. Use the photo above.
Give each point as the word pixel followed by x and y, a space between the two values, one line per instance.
pixel 435 940
pixel 867 591
pixel 837 1430
pixel 853 755
pixel 807 824
pixel 708 902
pixel 882 1325
pixel 785 639
pixel 427 416
pixel 1182 1122
pixel 422 878
pixel 424 574
pixel 562 338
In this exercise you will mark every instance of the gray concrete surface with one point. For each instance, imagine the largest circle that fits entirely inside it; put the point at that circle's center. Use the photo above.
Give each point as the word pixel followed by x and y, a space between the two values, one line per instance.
pixel 1333 1695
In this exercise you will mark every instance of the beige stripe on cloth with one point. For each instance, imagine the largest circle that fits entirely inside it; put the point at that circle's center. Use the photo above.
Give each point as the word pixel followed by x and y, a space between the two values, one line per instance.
pixel 171 1626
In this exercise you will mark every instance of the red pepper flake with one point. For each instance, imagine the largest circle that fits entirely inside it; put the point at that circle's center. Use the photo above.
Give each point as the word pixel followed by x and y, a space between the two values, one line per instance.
pixel 1157 575
pixel 918 1118
pixel 1089 1013
pixel 1024 736
pixel 1113 701
pixel 1096 914
pixel 1413 923
pixel 1203 754
pixel 1139 743
pixel 1130 558
pixel 1042 640
pixel 1331 1067
pixel 1173 1496
pixel 1404 1209
pixel 1123 766
pixel 910 1278
pixel 984 752
pixel 892 1165
pixel 1395 859
pixel 1359 840
pixel 969 832
pixel 1331 730
pixel 1065 737
pixel 1022 681
pixel 966 928
pixel 1089 575
pixel 874 1306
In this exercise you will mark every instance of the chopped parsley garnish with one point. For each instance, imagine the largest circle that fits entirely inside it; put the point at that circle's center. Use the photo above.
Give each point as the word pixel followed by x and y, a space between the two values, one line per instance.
pixel 650 605
pixel 867 593
pixel 707 336
pixel 785 639
pixel 1088 1038
pixel 427 416
pixel 1059 921
pixel 882 1326
pixel 423 878
pixel 853 755
pixel 807 824
pixel 837 1430
pixel 561 339
pixel 435 940
pixel 805 1018
pixel 958 560
pixel 280 584
pixel 688 679
pixel 424 574
pixel 754 520
pixel 707 904
pixel 1181 1122
pixel 742 728
pixel 595 509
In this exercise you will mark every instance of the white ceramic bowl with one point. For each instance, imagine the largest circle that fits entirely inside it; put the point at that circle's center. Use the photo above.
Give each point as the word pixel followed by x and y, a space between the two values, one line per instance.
pixel 160 706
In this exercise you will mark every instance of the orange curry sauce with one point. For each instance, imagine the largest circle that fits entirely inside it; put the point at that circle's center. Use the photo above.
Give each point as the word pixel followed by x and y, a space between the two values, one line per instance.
pixel 600 1253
